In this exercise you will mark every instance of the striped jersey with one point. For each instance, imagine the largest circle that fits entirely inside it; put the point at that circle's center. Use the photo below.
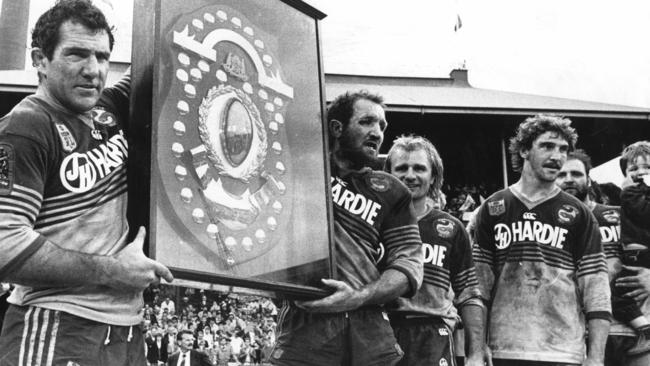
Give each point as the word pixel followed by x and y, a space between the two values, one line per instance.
pixel 449 274
pixel 542 266
pixel 374 221
pixel 65 182
pixel 609 225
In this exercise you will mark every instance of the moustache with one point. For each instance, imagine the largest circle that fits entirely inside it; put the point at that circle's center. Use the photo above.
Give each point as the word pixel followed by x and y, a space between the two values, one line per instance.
pixel 552 165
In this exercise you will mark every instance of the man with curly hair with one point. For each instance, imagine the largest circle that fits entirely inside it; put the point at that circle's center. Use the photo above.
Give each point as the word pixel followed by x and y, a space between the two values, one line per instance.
pixel 539 259
pixel 63 236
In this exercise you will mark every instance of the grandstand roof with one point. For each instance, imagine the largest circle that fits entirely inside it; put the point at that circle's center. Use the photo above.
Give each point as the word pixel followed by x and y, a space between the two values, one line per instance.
pixel 456 95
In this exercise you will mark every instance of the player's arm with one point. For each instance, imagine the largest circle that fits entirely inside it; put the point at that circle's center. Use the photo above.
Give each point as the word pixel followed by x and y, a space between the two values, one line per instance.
pixel 593 283
pixel 483 253
pixel 468 296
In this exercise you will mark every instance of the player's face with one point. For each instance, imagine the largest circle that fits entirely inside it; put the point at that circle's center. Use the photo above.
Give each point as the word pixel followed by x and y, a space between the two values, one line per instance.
pixel 76 74
pixel 414 170
pixel 573 179
pixel 638 168
pixel 363 135
pixel 546 156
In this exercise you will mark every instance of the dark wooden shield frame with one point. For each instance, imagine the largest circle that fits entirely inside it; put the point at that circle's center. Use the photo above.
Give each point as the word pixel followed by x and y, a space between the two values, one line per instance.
pixel 228 162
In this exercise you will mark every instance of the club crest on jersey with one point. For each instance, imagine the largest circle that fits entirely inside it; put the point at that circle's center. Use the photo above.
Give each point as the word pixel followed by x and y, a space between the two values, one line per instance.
pixel 67 140
pixel 567 214
pixel 7 162
pixel 103 117
pixel 378 183
pixel 445 228
pixel 612 216
pixel 496 208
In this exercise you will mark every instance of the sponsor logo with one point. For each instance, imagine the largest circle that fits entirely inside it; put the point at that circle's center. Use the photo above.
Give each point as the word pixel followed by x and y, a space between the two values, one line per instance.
pixel 7 163
pixel 443 331
pixel 496 208
pixel 379 183
pixel 567 214
pixel 443 362
pixel 434 254
pixel 67 140
pixel 529 231
pixel 445 228
pixel 96 134
pixel 610 234
pixel 79 172
pixel 612 216
pixel 355 203
pixel 529 216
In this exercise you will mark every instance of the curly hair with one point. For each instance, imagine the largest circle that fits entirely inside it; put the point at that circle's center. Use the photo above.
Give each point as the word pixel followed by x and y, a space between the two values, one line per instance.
pixel 582 156
pixel 529 130
pixel 630 153
pixel 410 143
pixel 46 33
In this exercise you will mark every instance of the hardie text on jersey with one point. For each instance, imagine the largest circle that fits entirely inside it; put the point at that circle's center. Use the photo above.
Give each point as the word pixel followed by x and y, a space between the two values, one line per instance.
pixel 355 203
pixel 529 231
pixel 80 171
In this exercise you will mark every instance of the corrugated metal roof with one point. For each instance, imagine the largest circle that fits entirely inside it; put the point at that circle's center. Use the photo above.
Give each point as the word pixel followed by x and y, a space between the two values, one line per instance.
pixel 456 95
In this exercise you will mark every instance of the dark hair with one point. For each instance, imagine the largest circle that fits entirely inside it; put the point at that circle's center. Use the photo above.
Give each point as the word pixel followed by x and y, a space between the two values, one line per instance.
pixel 529 130
pixel 179 336
pixel 581 155
pixel 342 107
pixel 630 153
pixel 413 143
pixel 46 33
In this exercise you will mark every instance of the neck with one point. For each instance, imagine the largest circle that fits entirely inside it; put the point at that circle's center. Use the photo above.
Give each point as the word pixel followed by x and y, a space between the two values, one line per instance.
pixel 421 207
pixel 343 163
pixel 533 188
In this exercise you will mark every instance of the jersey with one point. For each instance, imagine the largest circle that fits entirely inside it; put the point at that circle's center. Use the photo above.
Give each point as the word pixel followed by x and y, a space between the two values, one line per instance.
pixel 449 274
pixel 65 182
pixel 374 221
pixel 542 266
pixel 609 220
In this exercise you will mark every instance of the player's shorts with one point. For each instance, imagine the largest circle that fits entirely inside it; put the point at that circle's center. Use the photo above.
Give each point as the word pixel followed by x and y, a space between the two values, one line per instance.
pixel 362 337
pixel 36 336
pixel 616 351
pixel 424 340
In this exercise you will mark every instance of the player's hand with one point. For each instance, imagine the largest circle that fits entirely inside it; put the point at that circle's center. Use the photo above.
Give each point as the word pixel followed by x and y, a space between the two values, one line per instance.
pixel 639 281
pixel 591 362
pixel 344 298
pixel 134 270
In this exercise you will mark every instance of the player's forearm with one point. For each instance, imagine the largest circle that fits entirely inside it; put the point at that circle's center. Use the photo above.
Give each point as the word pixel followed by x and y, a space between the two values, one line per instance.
pixel 52 265
pixel 391 285
pixel 598 331
pixel 473 320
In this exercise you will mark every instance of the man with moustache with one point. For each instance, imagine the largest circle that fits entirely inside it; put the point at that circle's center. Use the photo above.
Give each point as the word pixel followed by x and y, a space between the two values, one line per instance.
pixel 574 179
pixel 373 221
pixel 539 259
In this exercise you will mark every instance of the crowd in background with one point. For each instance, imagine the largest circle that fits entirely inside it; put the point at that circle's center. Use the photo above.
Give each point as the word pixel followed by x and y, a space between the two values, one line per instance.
pixel 231 329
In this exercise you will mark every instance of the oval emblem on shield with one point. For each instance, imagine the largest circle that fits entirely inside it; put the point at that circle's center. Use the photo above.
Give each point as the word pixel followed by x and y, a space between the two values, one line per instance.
pixel 238 133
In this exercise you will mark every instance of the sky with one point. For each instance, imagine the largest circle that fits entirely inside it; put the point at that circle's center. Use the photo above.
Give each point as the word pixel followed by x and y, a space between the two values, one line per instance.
pixel 582 49
pixel 593 50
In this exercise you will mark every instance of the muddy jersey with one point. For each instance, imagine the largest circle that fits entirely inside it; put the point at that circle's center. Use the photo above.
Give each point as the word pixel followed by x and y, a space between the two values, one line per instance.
pixel 63 179
pixel 449 274
pixel 374 220
pixel 609 225
pixel 542 267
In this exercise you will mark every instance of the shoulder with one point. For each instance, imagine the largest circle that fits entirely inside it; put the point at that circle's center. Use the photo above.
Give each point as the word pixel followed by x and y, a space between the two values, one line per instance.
pixel 569 209
pixel 495 205
pixel 384 184
pixel 30 118
pixel 446 225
